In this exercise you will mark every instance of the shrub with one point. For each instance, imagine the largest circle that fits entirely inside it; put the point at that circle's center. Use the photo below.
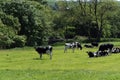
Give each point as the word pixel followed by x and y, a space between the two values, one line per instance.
pixel 6 34
pixel 110 39
pixel 5 42
pixel 81 39
pixel 19 41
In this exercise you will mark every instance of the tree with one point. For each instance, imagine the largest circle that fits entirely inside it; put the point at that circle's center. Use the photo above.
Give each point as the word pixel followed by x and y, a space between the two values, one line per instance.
pixel 33 18
pixel 91 17
pixel 9 28
pixel 101 10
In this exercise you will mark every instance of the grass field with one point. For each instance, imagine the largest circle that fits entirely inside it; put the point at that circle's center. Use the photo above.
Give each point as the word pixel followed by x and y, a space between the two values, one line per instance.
pixel 24 64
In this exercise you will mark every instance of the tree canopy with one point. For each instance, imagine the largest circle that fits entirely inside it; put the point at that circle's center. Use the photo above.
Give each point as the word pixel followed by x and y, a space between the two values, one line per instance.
pixel 35 22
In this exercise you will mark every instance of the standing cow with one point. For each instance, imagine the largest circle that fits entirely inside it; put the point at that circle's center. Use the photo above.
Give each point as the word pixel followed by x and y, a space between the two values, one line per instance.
pixel 43 50
pixel 72 46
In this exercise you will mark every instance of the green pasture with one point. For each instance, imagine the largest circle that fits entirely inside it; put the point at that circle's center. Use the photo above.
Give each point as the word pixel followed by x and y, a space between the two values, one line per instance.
pixel 24 64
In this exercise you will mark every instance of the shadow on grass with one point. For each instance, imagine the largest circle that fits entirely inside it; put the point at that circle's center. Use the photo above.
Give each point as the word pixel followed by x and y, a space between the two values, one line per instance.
pixel 38 59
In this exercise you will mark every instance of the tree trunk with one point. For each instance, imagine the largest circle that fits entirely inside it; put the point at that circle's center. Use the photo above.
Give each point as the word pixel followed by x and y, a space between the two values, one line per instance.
pixel 99 35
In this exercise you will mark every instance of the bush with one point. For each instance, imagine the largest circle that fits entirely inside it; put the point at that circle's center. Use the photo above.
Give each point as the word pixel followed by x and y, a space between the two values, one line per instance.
pixel 58 43
pixel 6 34
pixel 5 42
pixel 56 38
pixel 19 41
pixel 81 39
pixel 109 39
pixel 70 32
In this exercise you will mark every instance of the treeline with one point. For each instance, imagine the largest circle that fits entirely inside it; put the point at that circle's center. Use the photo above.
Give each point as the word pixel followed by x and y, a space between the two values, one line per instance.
pixel 37 22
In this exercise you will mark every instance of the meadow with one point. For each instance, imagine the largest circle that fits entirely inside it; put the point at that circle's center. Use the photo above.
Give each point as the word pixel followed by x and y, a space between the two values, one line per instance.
pixel 24 64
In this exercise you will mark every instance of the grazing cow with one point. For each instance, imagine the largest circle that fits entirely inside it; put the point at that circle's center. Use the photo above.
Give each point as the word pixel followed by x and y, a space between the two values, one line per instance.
pixel 95 44
pixel 44 49
pixel 104 47
pixel 72 46
pixel 88 46
pixel 115 50
pixel 97 54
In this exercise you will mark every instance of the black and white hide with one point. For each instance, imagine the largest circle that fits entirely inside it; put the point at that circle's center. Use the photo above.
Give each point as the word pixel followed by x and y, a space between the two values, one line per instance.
pixel 97 54
pixel 92 54
pixel 44 50
pixel 104 47
pixel 116 50
pixel 72 46
pixel 102 53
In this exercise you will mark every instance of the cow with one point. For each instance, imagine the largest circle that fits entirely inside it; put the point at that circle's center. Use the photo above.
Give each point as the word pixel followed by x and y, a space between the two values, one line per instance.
pixel 91 54
pixel 97 54
pixel 72 46
pixel 44 50
pixel 116 50
pixel 104 47
pixel 95 44
pixel 101 53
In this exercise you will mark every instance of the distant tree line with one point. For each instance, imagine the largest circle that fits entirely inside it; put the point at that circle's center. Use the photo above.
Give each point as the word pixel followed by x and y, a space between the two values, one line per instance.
pixel 90 18
pixel 37 22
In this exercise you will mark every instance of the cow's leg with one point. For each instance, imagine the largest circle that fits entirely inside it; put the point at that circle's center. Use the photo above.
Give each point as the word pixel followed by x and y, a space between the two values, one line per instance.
pixel 65 50
pixel 109 51
pixel 73 49
pixel 50 55
pixel 40 55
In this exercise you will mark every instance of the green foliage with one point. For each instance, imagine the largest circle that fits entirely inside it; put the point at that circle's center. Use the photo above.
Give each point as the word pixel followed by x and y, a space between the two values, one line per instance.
pixel 69 32
pixel 90 18
pixel 41 20
pixel 81 39
pixel 106 31
pixel 6 35
pixel 114 21
pixel 19 41
pixel 10 21
pixel 8 38
pixel 31 15
pixel 110 40
pixel 56 38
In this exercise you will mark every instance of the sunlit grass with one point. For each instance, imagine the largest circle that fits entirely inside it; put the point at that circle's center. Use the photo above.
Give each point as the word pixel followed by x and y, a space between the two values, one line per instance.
pixel 24 64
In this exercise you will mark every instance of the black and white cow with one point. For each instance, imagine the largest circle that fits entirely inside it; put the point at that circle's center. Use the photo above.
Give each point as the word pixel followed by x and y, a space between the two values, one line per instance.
pixel 100 53
pixel 44 50
pixel 104 47
pixel 116 50
pixel 72 46
pixel 91 54
pixel 97 54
